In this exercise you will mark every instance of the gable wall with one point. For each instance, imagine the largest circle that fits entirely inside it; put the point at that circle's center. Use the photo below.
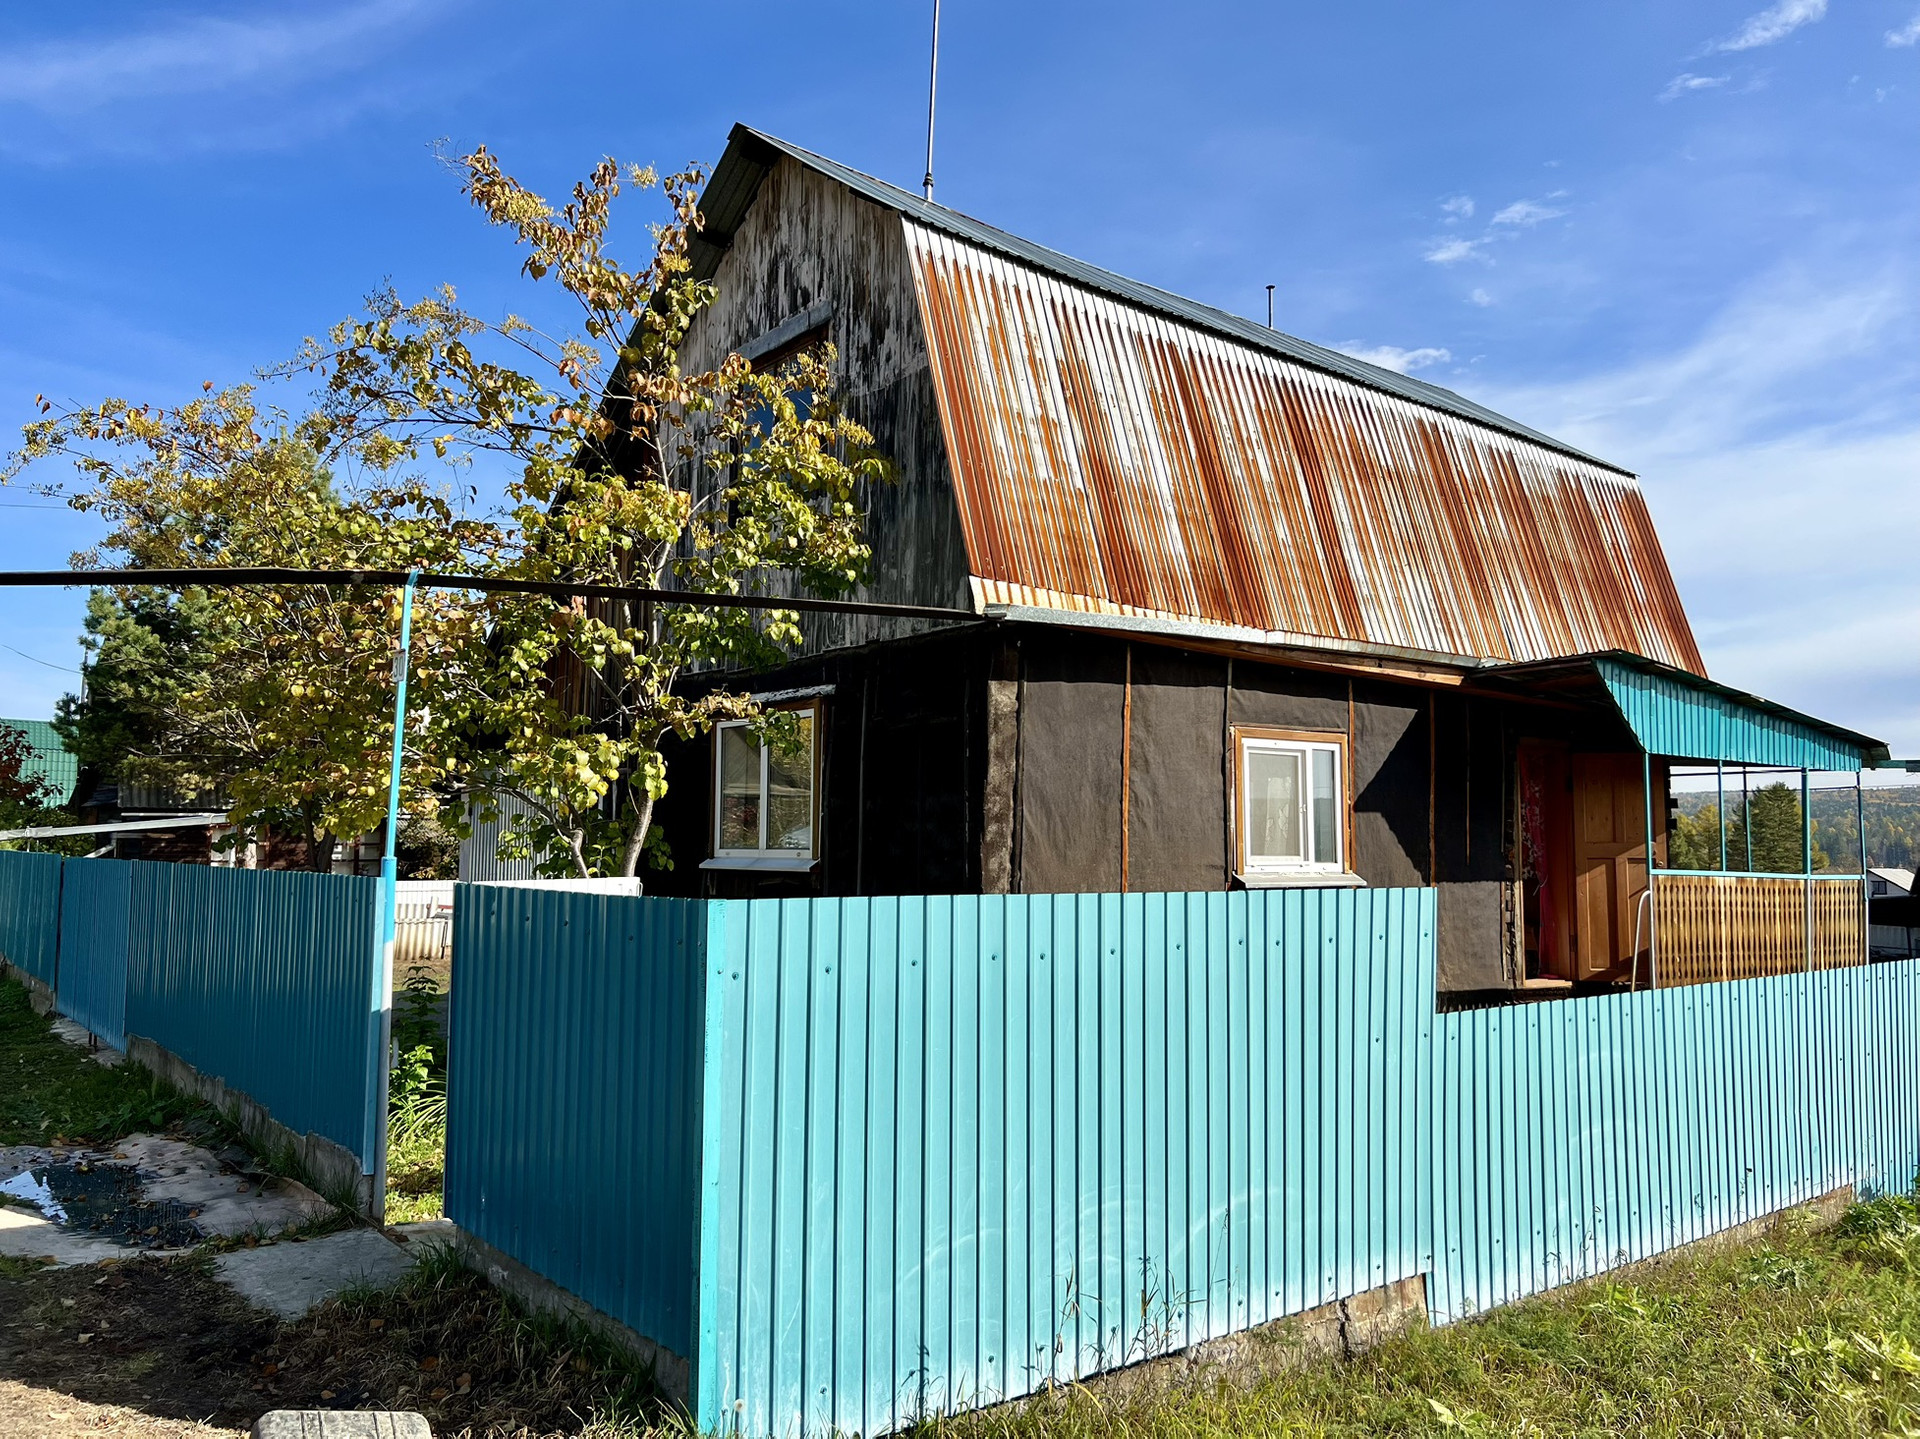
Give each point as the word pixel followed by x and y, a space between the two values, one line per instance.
pixel 806 241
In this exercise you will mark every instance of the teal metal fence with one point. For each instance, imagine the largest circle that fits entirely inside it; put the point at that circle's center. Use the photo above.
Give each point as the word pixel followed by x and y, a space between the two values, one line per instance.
pixel 95 898
pixel 30 913
pixel 1575 1136
pixel 959 1148
pixel 261 979
pixel 574 1094
pixel 952 1149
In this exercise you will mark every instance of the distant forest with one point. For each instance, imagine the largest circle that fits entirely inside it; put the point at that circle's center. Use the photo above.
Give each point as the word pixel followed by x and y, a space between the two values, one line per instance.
pixel 1893 829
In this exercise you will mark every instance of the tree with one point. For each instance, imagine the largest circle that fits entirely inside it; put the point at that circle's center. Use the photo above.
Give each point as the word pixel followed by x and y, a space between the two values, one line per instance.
pixel 146 650
pixel 281 696
pixel 1778 843
pixel 625 469
pixel 1695 840
pixel 621 469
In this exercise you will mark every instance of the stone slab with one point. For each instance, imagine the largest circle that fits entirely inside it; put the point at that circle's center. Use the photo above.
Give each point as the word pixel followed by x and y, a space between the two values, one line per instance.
pixel 25 1234
pixel 340 1424
pixel 288 1279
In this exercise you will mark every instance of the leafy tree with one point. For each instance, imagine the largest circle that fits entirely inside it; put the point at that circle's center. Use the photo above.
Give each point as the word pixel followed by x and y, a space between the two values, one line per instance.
pixel 622 469
pixel 282 696
pixel 1694 841
pixel 625 470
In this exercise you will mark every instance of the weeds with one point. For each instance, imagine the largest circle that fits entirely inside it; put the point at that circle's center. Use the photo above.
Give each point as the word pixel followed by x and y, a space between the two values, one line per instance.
pixel 1809 1334
pixel 51 1091
pixel 417 1103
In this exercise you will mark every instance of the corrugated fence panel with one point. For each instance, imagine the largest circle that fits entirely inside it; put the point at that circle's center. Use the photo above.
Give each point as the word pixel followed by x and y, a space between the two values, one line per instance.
pixel 1574 1136
pixel 263 979
pixel 959 1147
pixel 95 895
pixel 30 912
pixel 574 1084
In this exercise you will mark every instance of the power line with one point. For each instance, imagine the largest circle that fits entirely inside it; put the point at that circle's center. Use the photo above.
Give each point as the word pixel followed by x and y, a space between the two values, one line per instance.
pixel 48 663
pixel 215 578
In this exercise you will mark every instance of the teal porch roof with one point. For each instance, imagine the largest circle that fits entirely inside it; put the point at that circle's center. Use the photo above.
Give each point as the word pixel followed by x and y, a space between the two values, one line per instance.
pixel 1679 715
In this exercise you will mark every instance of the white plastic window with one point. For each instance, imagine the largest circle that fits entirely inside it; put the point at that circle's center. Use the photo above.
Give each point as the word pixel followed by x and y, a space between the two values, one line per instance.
pixel 764 797
pixel 1292 806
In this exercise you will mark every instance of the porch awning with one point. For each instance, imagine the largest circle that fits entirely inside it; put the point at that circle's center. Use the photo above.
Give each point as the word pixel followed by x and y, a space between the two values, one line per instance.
pixel 1679 715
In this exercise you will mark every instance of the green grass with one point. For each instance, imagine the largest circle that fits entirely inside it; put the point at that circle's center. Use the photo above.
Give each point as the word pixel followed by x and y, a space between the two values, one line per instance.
pixel 1809 1334
pixel 50 1090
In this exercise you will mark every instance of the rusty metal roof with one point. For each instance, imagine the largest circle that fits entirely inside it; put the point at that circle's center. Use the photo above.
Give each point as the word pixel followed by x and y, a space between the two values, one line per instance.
pixel 751 153
pixel 1108 458
pixel 1118 450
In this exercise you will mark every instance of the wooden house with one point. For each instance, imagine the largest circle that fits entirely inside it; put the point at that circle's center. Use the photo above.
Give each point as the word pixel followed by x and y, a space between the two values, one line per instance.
pixel 1251 613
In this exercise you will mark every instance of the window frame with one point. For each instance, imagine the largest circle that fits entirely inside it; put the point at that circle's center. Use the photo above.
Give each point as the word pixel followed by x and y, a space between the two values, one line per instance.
pixel 1304 743
pixel 764 857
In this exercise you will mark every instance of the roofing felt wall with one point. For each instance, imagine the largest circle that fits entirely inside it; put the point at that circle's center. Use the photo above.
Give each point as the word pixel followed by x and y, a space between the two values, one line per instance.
pixel 1107 458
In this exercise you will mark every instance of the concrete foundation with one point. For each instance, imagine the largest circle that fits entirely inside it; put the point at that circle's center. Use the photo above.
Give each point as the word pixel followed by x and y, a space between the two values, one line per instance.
pixel 38 994
pixel 331 1168
pixel 671 1372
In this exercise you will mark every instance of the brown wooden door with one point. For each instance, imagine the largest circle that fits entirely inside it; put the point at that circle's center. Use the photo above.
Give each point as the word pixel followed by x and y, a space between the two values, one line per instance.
pixel 1609 863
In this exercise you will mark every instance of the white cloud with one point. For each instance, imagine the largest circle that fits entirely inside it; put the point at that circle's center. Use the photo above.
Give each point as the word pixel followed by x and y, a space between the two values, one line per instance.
pixel 192 56
pixel 1458 207
pixel 1452 251
pixel 1527 213
pixel 1481 298
pixel 1776 22
pixel 1907 34
pixel 1392 357
pixel 1778 448
pixel 1686 84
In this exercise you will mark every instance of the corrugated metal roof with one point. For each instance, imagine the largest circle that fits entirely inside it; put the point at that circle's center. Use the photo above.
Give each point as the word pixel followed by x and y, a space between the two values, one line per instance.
pixel 750 154
pixel 1686 716
pixel 51 760
pixel 1112 459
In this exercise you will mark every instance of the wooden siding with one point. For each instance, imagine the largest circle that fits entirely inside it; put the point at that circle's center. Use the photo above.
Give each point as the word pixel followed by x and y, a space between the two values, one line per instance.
pixel 806 242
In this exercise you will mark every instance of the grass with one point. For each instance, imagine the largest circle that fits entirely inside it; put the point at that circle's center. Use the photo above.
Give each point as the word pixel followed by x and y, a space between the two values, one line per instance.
pixel 49 1090
pixel 417 1102
pixel 1807 1334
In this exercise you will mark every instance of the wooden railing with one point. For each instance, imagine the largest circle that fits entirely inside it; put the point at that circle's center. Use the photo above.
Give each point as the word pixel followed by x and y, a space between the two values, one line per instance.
pixel 1709 927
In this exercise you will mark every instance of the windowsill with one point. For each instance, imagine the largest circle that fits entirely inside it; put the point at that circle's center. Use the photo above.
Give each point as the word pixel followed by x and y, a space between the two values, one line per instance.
pixel 1301 879
pixel 777 863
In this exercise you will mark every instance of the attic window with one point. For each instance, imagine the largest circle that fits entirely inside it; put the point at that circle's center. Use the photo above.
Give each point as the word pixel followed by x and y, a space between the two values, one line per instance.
pixel 1290 806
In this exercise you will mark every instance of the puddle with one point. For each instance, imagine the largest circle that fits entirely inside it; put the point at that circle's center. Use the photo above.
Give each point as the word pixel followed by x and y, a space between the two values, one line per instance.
pixel 108 1200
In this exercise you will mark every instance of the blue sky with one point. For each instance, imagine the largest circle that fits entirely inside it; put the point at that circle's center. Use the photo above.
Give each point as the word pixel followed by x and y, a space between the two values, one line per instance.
pixel 1684 237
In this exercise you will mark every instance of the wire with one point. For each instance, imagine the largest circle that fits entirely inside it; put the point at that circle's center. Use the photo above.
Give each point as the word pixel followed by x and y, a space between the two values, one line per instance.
pixel 215 578
pixel 48 663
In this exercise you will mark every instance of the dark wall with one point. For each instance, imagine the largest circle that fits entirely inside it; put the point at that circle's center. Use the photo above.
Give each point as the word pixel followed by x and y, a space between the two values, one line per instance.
pixel 1177 798
pixel 900 741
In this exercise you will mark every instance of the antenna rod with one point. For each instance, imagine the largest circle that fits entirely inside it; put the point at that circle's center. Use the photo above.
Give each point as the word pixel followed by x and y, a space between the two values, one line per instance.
pixel 1269 307
pixel 933 84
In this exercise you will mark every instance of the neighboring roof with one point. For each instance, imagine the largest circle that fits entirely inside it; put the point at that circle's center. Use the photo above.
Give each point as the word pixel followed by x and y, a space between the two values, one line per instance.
pixel 751 153
pixel 50 760
pixel 1900 879
pixel 1680 715
pixel 1120 451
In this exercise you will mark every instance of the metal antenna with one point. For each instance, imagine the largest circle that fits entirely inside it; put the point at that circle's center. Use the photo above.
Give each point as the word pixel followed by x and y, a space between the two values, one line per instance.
pixel 933 83
pixel 1269 307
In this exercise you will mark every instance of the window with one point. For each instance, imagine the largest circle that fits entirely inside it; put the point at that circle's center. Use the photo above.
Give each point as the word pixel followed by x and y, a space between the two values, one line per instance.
pixel 764 798
pixel 1290 803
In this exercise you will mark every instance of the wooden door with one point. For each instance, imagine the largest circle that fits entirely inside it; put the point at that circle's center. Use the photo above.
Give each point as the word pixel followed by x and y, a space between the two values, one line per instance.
pixel 1609 864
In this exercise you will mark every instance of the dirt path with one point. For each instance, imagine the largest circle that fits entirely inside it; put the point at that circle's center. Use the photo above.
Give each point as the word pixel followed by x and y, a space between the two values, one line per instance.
pixel 142 1347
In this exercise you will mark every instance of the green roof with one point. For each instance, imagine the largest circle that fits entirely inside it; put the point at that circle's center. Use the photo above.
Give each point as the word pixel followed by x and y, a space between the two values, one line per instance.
pixel 50 760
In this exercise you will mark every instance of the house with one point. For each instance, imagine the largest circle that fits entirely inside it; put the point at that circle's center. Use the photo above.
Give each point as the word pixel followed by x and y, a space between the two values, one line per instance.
pixel 1889 883
pixel 1251 613
pixel 50 761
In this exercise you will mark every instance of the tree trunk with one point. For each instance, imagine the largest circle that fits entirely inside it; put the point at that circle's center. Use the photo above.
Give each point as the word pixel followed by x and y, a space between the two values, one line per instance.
pixel 637 841
pixel 320 849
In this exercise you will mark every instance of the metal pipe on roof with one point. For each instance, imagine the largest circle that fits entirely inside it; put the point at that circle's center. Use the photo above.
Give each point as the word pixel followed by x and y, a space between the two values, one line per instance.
pixel 933 85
